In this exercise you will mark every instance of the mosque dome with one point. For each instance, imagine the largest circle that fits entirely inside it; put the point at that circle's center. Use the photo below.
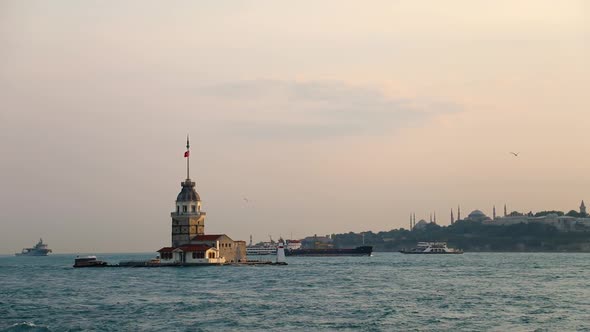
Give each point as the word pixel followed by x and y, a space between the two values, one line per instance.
pixel 421 224
pixel 188 192
pixel 477 215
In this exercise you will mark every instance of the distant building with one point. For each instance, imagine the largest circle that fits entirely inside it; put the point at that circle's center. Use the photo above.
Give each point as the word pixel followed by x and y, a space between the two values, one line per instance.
pixel 190 244
pixel 562 223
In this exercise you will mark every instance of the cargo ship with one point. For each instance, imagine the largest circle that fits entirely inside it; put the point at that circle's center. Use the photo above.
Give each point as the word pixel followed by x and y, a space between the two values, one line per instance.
pixel 40 249
pixel 358 251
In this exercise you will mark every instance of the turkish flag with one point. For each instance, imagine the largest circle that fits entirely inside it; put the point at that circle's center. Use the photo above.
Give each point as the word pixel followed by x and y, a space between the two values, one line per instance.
pixel 186 154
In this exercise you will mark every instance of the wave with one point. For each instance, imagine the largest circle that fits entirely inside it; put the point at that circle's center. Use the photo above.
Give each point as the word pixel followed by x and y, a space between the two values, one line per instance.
pixel 26 326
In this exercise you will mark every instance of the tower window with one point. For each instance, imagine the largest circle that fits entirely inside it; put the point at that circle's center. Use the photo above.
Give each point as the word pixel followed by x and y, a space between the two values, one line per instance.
pixel 193 208
pixel 184 208
pixel 177 208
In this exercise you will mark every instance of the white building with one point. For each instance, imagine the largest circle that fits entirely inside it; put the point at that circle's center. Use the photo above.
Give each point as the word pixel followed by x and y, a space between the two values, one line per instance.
pixel 562 223
pixel 191 254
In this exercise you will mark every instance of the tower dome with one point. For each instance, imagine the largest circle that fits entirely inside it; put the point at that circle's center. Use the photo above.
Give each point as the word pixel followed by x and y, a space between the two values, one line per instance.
pixel 188 192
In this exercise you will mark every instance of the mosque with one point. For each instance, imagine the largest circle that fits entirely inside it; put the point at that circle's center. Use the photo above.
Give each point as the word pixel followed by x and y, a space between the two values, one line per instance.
pixel 189 243
pixel 562 223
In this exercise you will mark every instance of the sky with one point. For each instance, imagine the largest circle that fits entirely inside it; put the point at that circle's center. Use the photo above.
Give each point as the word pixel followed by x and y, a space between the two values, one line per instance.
pixel 327 116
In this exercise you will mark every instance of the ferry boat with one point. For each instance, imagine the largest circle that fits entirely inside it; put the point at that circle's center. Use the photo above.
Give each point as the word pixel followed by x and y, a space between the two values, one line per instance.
pixel 432 248
pixel 40 249
pixel 270 248
pixel 266 248
pixel 88 261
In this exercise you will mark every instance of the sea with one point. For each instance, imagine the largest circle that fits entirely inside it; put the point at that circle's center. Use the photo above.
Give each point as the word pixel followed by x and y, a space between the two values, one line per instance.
pixel 384 292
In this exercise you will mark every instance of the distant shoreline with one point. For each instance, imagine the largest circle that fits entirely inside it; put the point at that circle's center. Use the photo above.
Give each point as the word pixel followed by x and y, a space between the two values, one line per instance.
pixel 512 251
pixel 374 251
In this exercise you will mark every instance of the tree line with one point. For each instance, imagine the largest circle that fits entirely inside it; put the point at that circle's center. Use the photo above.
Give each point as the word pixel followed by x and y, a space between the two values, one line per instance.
pixel 474 236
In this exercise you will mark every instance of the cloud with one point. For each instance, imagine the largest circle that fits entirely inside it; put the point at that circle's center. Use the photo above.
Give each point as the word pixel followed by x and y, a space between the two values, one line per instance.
pixel 315 110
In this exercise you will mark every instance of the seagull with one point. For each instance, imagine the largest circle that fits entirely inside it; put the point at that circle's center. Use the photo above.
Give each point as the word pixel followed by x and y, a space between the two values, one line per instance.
pixel 246 200
pixel 515 153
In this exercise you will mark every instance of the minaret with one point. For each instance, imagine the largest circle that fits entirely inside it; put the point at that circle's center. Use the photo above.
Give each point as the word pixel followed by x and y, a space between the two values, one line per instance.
pixel 410 221
pixel 188 220
pixel 430 217
pixel 505 211
pixel 459 212
pixel 414 224
pixel 435 217
pixel 452 217
pixel 494 212
pixel 583 209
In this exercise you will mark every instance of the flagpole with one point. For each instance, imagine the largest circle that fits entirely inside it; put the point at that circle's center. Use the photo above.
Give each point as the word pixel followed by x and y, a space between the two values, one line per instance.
pixel 187 158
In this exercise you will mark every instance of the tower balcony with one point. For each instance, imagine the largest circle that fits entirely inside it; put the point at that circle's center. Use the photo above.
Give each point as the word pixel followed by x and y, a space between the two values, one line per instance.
pixel 188 214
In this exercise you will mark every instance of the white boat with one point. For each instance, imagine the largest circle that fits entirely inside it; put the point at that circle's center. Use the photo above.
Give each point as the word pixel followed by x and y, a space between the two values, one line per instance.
pixel 432 248
pixel 266 248
pixel 293 245
pixel 270 248
pixel 40 249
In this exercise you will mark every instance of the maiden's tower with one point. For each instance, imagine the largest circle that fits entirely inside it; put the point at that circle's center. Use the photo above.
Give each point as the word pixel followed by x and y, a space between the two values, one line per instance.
pixel 190 244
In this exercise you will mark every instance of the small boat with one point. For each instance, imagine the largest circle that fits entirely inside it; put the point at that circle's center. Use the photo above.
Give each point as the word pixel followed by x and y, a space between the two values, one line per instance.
pixel 88 261
pixel 432 248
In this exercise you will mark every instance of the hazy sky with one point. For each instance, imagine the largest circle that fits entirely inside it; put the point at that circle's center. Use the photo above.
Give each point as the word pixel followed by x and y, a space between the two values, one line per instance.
pixel 329 116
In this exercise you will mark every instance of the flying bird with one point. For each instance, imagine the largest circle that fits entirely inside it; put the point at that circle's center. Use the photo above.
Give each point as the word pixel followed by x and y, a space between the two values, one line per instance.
pixel 246 200
pixel 515 153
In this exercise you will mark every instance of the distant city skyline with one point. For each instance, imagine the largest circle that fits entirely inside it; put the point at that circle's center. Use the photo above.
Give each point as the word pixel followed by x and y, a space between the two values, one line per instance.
pixel 432 215
pixel 328 117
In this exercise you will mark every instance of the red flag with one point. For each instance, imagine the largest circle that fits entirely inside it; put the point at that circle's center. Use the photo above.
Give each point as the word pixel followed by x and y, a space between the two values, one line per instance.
pixel 187 153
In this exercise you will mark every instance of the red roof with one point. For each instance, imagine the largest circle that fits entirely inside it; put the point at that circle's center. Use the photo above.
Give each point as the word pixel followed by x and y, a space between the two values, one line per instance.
pixel 194 247
pixel 166 249
pixel 207 237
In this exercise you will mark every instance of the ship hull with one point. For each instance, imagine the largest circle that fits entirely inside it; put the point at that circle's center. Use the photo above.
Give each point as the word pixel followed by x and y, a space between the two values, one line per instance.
pixel 37 254
pixel 430 253
pixel 101 264
pixel 358 251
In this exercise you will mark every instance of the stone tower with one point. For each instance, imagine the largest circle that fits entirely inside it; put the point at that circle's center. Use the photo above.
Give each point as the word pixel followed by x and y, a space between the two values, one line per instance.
pixel 188 220
pixel 583 209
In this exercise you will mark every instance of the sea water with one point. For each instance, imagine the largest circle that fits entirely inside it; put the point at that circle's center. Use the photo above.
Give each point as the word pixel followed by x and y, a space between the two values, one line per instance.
pixel 385 292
